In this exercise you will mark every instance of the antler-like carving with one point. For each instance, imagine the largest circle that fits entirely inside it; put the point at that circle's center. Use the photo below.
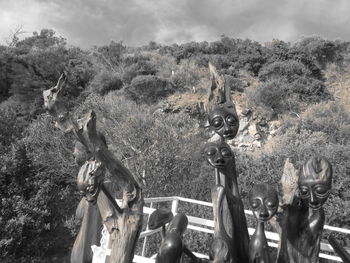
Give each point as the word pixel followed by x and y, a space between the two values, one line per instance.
pixel 123 223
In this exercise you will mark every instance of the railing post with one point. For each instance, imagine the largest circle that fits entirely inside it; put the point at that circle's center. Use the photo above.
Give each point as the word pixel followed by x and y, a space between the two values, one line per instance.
pixel 145 239
pixel 174 206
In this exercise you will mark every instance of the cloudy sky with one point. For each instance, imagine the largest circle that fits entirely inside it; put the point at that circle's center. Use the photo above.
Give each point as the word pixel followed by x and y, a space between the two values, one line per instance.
pixel 136 22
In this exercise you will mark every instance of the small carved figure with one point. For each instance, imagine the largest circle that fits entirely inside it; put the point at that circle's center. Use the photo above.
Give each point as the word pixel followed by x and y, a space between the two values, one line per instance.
pixel 220 156
pixel 264 201
pixel 172 246
pixel 302 221
pixel 343 254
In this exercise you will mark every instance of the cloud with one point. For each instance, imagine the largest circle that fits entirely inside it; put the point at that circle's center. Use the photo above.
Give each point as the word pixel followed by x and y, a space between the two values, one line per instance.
pixel 136 22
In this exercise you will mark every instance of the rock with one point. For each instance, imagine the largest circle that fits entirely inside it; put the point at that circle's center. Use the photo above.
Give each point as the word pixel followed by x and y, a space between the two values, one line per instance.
pixel 289 182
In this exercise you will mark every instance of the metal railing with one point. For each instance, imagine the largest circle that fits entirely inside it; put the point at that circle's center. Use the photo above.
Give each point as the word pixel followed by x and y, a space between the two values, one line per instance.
pixel 207 226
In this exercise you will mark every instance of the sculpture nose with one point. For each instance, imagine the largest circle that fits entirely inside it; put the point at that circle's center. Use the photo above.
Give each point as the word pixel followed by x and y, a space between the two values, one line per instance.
pixel 228 131
pixel 313 199
pixel 263 212
pixel 220 161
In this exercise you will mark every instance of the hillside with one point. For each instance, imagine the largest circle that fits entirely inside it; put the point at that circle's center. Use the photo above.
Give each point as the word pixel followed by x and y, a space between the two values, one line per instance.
pixel 293 101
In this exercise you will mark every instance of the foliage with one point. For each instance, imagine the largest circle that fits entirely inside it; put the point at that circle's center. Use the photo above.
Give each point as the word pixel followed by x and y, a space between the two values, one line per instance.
pixel 105 81
pixel 149 89
pixel 122 84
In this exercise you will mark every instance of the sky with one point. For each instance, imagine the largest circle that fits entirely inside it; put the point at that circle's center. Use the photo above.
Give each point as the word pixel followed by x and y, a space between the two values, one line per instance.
pixel 137 22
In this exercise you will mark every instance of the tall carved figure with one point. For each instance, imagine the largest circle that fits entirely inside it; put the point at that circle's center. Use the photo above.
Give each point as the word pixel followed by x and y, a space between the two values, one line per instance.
pixel 122 222
pixel 263 199
pixel 224 121
pixel 302 220
pixel 223 248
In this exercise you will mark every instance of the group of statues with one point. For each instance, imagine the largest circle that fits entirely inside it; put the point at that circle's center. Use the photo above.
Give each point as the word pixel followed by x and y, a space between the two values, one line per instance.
pixel 298 220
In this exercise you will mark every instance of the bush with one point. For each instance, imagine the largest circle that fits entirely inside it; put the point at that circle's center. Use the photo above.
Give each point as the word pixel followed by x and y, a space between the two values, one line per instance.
pixel 149 89
pixel 37 192
pixel 289 69
pixel 106 81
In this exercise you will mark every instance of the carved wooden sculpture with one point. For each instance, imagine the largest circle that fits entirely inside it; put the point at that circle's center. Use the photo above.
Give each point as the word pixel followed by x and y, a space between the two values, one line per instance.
pixel 223 248
pixel 302 221
pixel 172 246
pixel 343 254
pixel 224 121
pixel 264 201
pixel 222 115
pixel 123 223
pixel 221 157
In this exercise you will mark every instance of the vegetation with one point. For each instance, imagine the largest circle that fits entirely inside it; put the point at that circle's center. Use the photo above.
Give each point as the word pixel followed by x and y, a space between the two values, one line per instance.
pixel 302 85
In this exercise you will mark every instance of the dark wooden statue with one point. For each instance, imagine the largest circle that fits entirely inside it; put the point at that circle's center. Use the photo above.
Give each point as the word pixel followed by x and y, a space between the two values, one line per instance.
pixel 222 115
pixel 224 121
pixel 223 248
pixel 122 222
pixel 302 221
pixel 172 246
pixel 221 157
pixel 343 254
pixel 263 199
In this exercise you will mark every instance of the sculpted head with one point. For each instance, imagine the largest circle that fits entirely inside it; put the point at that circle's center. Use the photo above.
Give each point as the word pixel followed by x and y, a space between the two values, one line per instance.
pixel 315 181
pixel 222 115
pixel 218 154
pixel 263 199
pixel 224 121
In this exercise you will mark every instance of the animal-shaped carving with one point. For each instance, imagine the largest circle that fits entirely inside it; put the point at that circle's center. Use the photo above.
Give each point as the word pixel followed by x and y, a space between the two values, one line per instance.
pixel 343 254
pixel 172 246
pixel 263 200
pixel 302 221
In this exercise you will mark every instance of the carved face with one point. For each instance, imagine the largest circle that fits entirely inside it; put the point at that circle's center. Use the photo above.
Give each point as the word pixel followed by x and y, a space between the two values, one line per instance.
pixel 264 201
pixel 315 181
pixel 218 154
pixel 224 122
pixel 89 179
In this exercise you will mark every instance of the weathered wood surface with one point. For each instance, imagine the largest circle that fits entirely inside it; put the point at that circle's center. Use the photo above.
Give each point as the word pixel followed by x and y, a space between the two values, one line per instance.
pixel 124 223
pixel 89 233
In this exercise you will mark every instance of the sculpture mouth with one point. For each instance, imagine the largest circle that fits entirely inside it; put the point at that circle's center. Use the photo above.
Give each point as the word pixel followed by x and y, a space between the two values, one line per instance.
pixel 229 136
pixel 315 207
pixel 219 165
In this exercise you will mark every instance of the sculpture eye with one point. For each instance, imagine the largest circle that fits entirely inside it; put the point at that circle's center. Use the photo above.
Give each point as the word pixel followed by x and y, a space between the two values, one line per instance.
pixel 217 122
pixel 226 152
pixel 270 203
pixel 231 120
pixel 304 191
pixel 211 151
pixel 255 204
pixel 321 189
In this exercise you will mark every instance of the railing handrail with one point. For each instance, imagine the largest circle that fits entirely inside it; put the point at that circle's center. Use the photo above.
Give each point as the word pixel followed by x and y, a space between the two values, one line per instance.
pixel 204 203
pixel 205 225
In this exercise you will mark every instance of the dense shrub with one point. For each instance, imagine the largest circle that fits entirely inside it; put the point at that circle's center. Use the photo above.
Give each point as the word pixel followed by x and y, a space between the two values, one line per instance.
pixel 289 69
pixel 149 89
pixel 105 81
